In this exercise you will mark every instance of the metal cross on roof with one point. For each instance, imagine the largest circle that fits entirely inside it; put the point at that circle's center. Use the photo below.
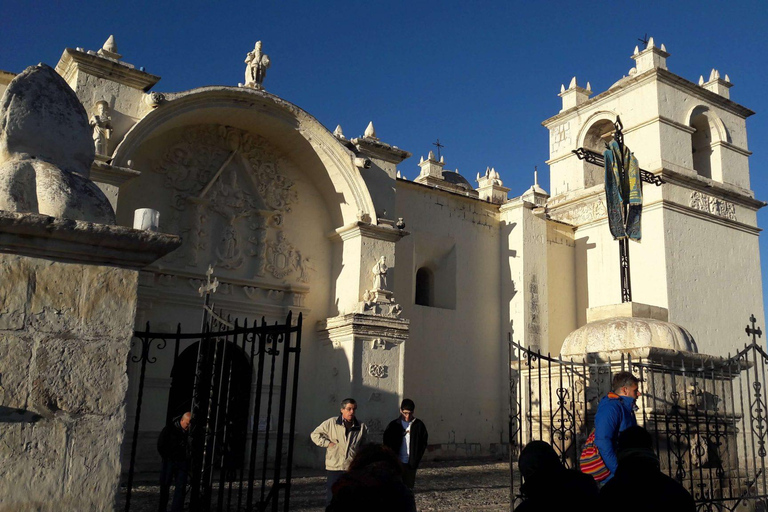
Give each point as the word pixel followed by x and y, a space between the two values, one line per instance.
pixel 438 145
pixel 644 40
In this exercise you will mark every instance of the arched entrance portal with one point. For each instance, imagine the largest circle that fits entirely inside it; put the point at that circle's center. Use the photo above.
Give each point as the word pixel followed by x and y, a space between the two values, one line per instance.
pixel 232 377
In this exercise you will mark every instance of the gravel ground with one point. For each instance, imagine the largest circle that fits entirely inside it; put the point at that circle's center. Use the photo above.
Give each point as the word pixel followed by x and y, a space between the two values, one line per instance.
pixel 440 486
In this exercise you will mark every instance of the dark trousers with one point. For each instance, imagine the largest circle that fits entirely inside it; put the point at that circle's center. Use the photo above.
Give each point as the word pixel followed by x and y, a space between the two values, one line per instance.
pixel 409 477
pixel 332 477
pixel 175 472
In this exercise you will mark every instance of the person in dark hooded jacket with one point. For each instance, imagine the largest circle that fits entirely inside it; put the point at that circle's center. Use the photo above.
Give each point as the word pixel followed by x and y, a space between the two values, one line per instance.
pixel 173 446
pixel 548 486
pixel 639 485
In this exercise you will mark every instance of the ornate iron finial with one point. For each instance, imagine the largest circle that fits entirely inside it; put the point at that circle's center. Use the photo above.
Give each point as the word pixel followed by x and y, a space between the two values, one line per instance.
pixel 209 286
pixel 752 331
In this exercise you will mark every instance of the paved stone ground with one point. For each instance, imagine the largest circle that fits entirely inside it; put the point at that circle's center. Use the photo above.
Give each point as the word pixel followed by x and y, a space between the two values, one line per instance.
pixel 440 486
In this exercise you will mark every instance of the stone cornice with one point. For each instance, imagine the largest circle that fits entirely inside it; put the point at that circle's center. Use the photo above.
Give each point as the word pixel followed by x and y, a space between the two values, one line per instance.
pixel 346 327
pixel 37 235
pixel 367 230
pixel 380 150
pixel 708 186
pixel 660 75
pixel 102 172
pixel 73 60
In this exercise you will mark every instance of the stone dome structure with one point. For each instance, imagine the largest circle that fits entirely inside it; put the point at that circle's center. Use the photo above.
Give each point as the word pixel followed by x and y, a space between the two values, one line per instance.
pixel 625 333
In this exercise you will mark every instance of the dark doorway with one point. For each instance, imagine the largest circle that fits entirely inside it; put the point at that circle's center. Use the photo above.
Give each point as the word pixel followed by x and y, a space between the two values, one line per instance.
pixel 236 410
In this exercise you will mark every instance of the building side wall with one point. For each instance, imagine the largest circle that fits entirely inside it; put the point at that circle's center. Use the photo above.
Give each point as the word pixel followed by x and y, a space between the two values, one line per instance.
pixel 452 356
pixel 714 279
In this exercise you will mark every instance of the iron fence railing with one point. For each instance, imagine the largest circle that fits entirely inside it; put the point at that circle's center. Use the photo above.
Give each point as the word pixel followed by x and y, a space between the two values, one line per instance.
pixel 707 415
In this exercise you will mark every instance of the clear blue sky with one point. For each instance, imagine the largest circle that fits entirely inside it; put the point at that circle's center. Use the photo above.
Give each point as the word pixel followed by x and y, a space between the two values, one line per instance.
pixel 481 76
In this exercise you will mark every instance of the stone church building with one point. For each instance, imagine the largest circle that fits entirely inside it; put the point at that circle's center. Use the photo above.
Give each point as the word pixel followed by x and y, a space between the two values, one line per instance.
pixel 409 288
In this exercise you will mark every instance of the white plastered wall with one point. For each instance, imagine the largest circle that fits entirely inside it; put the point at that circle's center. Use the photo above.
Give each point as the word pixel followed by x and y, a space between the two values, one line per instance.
pixel 453 363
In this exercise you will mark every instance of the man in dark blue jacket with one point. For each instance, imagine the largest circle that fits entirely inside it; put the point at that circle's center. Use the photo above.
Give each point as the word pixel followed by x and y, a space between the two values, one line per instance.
pixel 615 414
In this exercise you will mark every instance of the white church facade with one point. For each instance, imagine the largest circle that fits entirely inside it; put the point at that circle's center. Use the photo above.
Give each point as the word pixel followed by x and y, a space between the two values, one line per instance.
pixel 409 288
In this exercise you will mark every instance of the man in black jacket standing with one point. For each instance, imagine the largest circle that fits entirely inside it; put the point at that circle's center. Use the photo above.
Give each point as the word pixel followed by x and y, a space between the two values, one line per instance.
pixel 407 437
pixel 173 446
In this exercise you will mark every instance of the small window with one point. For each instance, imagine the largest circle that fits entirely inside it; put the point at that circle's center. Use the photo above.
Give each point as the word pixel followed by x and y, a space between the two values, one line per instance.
pixel 425 287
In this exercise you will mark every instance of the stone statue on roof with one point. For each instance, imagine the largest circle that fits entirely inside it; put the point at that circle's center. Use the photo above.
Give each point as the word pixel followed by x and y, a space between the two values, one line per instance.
pixel 256 67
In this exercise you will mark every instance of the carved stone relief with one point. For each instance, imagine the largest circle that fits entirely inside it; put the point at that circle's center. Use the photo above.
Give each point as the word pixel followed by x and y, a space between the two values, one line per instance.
pixel 378 371
pixel 583 213
pixel 228 195
pixel 534 323
pixel 713 205
pixel 381 344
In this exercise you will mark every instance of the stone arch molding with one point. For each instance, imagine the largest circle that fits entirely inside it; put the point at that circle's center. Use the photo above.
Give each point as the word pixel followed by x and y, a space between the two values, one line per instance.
pixel 292 130
pixel 603 115
pixel 716 126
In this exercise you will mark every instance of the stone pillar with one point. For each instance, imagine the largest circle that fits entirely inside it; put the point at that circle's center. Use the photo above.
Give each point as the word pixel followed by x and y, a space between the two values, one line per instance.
pixel 67 307
pixel 368 329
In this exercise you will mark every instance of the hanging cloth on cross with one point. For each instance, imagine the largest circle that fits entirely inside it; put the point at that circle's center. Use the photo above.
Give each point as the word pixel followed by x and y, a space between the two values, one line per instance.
pixel 623 192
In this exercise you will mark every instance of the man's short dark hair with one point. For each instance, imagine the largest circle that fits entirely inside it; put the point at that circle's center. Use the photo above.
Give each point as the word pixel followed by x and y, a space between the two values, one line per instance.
pixel 407 405
pixel 623 380
pixel 348 401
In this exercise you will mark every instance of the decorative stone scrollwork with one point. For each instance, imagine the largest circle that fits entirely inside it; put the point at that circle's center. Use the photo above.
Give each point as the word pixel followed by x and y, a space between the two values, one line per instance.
pixel 282 257
pixel 381 344
pixel 713 205
pixel 228 192
pixel 378 371
pixel 583 213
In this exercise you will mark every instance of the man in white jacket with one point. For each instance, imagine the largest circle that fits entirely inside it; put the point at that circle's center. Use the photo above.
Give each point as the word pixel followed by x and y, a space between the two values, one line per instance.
pixel 340 436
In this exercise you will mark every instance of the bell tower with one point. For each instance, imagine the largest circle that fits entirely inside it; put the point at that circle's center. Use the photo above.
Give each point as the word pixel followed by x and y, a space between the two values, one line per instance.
pixel 699 254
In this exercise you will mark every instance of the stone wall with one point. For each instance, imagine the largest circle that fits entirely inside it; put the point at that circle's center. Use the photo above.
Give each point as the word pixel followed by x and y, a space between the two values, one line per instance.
pixel 64 338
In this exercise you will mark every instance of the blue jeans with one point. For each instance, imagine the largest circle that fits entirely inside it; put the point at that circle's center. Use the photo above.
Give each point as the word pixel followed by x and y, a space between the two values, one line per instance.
pixel 175 472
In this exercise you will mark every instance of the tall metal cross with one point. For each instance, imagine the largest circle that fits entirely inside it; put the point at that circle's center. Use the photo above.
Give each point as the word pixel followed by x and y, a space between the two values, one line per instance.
pixel 645 176
pixel 205 290
pixel 438 145
pixel 752 331
pixel 644 40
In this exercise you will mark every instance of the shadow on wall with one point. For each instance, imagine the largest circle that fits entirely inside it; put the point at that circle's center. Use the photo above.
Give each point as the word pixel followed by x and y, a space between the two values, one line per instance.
pixel 582 279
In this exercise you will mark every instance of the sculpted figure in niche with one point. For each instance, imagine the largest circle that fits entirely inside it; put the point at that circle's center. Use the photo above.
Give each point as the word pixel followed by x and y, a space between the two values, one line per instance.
pixel 256 67
pixel 101 122
pixel 379 271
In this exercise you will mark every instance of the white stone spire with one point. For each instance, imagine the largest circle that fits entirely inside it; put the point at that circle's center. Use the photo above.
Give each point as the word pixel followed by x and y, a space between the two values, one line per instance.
pixel 651 57
pixel 370 132
pixel 338 133
pixel 574 95
pixel 109 49
pixel 717 84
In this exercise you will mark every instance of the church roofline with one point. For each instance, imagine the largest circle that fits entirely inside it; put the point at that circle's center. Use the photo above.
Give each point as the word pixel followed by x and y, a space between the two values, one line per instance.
pixel 73 60
pixel 465 195
pixel 662 75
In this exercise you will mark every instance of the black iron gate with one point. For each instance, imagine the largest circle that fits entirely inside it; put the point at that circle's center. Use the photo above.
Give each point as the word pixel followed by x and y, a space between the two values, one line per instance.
pixel 241 435
pixel 708 415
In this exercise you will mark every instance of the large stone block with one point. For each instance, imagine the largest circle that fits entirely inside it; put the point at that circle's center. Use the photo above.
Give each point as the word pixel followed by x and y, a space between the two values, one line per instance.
pixel 14 292
pixel 77 376
pixel 34 465
pixel 94 443
pixel 109 305
pixel 15 359
pixel 55 296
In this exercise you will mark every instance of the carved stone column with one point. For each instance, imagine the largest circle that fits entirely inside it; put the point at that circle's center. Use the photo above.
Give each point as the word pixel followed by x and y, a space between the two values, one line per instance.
pixel 372 342
pixel 368 329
